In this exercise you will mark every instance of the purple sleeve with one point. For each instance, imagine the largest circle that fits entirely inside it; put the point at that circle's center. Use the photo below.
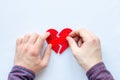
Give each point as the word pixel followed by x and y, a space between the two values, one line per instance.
pixel 99 72
pixel 21 73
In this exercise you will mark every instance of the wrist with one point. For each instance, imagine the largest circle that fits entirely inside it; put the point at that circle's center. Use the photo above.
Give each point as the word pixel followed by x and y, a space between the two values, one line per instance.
pixel 89 65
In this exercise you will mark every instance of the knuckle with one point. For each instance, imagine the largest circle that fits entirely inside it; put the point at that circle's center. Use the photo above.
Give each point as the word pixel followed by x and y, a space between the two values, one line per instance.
pixel 17 39
pixel 33 52
pixel 98 39
pixel 44 64
pixel 33 34
pixel 26 48
pixel 83 29
pixel 36 34
pixel 95 40
pixel 27 35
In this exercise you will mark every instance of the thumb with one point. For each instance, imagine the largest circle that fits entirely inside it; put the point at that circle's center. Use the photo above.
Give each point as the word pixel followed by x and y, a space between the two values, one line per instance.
pixel 47 55
pixel 72 43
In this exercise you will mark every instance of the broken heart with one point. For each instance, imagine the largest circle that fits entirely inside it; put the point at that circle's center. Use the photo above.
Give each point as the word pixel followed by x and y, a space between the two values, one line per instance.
pixel 58 40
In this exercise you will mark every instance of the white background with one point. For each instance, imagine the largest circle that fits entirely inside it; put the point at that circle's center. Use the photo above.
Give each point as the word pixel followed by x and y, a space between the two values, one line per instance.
pixel 102 17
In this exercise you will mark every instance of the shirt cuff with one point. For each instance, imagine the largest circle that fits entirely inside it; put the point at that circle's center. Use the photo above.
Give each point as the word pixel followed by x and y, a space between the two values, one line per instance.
pixel 23 71
pixel 96 69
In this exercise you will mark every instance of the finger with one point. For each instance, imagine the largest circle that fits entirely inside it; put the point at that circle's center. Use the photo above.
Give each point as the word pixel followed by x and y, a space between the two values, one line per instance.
pixel 76 38
pixel 80 42
pixel 72 43
pixel 83 33
pixel 26 38
pixel 45 35
pixel 33 38
pixel 40 41
pixel 19 41
pixel 74 33
pixel 47 54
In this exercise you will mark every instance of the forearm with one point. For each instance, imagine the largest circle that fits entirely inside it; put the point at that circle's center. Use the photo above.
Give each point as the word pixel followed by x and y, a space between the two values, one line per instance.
pixel 21 73
pixel 99 72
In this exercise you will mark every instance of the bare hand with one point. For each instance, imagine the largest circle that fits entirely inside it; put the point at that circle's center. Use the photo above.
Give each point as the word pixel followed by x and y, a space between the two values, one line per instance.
pixel 85 47
pixel 28 51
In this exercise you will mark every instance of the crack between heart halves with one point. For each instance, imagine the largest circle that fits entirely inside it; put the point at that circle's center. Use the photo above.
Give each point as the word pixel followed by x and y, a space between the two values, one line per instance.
pixel 60 46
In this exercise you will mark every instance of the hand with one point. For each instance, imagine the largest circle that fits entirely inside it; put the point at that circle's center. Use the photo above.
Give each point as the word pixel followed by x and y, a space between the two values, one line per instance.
pixel 28 52
pixel 85 47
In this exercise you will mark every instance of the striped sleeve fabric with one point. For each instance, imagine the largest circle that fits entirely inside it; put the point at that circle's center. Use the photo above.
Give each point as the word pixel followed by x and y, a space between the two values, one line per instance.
pixel 21 73
pixel 99 72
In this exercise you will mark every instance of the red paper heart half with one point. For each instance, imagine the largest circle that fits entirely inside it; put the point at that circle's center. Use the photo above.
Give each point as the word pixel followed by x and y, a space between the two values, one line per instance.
pixel 58 40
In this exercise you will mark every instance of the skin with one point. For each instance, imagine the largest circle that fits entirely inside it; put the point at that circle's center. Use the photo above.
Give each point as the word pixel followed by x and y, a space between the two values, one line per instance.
pixel 85 47
pixel 84 44
pixel 28 51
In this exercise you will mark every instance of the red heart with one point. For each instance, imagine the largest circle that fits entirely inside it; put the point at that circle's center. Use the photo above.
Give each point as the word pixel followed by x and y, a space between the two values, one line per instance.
pixel 58 39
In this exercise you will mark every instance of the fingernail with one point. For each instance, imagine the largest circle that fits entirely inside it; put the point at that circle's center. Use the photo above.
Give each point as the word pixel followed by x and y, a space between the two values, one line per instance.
pixel 50 45
pixel 67 38
pixel 48 33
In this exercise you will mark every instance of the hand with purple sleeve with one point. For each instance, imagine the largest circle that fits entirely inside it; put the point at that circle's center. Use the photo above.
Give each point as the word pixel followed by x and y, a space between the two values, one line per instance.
pixel 27 58
pixel 86 48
